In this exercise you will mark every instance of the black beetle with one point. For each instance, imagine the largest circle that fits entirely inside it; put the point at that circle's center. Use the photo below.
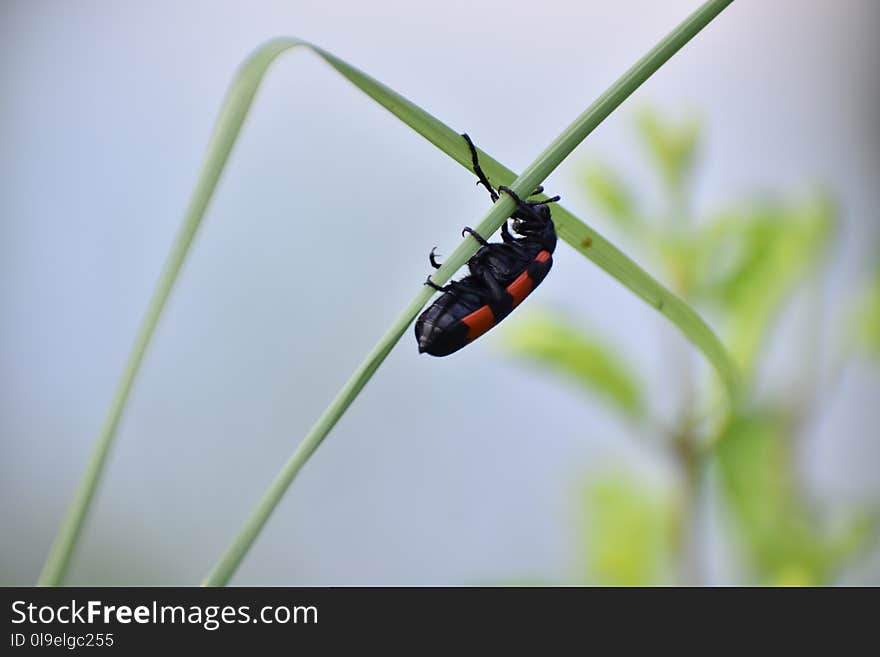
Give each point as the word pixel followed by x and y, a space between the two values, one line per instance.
pixel 501 274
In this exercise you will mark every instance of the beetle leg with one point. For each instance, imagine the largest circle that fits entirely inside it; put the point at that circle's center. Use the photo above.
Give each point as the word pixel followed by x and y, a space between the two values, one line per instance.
pixel 483 180
pixel 552 199
pixel 468 230
pixel 433 260
pixel 526 205
pixel 433 285
pixel 521 205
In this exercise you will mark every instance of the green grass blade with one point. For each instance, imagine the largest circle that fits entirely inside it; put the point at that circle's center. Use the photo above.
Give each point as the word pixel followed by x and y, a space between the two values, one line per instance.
pixel 584 239
pixel 226 129
pixel 571 229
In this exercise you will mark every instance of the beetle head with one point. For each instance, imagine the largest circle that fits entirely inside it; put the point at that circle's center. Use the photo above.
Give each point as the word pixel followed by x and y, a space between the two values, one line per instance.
pixel 531 222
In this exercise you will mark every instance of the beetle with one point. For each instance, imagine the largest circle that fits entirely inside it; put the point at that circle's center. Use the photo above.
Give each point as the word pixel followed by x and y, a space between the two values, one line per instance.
pixel 501 274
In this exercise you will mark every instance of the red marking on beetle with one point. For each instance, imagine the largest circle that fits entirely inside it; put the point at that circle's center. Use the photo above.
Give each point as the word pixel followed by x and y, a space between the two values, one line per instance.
pixel 520 288
pixel 479 321
pixel 482 319
pixel 523 285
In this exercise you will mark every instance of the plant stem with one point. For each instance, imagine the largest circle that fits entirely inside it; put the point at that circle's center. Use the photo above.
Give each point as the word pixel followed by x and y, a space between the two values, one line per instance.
pixel 533 175
pixel 233 556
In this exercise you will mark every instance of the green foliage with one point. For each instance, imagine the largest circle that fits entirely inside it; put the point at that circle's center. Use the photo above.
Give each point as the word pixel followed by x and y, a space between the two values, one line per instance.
pixel 751 260
pixel 743 263
pixel 673 147
pixel 610 194
pixel 628 532
pixel 867 319
pixel 786 540
pixel 555 343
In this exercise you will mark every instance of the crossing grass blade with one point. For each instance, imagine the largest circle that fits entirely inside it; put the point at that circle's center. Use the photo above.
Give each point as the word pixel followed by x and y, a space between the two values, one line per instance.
pixel 583 238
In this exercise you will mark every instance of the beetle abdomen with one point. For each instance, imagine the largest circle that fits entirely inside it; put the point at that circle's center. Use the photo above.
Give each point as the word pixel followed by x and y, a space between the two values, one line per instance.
pixel 451 322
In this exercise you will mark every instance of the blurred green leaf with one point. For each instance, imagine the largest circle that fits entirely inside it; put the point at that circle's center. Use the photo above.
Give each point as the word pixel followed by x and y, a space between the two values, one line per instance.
pixel 867 320
pixel 752 457
pixel 556 344
pixel 852 537
pixel 681 255
pixel 745 263
pixel 785 540
pixel 606 189
pixel 672 146
pixel 628 532
pixel 752 260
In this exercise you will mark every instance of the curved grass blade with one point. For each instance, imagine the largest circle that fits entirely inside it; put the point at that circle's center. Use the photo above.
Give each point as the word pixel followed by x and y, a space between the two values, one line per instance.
pixel 232 114
pixel 571 229
pixel 584 239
